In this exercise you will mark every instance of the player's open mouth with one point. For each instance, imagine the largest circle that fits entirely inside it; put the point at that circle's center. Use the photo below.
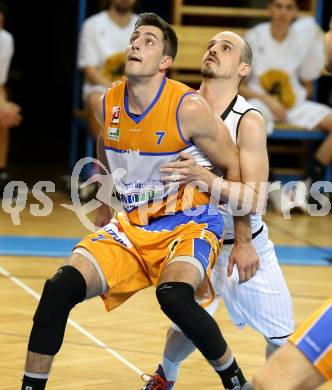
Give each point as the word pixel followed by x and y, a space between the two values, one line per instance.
pixel 211 59
pixel 134 58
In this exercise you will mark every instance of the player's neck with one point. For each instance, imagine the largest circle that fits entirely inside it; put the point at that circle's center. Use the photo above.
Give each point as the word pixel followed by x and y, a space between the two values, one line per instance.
pixel 121 20
pixel 142 91
pixel 218 93
pixel 279 31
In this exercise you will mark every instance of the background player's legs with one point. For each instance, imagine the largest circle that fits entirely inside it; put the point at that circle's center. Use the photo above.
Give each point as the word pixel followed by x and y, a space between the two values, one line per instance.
pixel 4 142
pixel 92 104
pixel 288 369
pixel 76 280
pixel 176 295
pixel 323 156
pixel 4 145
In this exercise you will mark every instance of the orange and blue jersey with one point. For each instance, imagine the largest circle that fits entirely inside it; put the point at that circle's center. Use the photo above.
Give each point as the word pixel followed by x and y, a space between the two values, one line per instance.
pixel 314 339
pixel 137 146
pixel 156 226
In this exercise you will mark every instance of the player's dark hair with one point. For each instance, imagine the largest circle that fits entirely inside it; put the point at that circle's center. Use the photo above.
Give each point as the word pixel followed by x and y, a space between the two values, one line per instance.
pixel 246 53
pixel 170 38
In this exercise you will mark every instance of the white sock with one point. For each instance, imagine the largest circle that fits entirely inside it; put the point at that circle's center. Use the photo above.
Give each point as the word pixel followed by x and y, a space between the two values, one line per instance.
pixel 171 369
pixel 35 376
pixel 224 366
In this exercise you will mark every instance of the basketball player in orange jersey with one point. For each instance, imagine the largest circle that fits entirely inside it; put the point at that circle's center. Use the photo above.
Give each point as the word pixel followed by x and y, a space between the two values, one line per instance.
pixel 305 362
pixel 164 237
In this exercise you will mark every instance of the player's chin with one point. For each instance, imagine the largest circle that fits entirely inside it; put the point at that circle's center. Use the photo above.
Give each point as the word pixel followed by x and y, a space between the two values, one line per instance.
pixel 134 69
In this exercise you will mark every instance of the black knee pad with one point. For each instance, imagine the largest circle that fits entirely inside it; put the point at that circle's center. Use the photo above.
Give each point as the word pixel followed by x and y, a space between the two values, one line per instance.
pixel 60 294
pixel 177 301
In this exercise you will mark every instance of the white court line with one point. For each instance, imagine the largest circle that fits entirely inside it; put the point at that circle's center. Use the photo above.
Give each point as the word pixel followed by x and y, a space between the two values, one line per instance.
pixel 73 323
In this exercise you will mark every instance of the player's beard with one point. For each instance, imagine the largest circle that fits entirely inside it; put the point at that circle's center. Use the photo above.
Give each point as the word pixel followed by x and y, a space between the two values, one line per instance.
pixel 208 73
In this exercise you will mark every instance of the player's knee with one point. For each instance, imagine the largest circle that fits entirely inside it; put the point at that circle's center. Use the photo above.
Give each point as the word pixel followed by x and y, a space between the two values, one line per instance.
pixel 60 294
pixel 173 295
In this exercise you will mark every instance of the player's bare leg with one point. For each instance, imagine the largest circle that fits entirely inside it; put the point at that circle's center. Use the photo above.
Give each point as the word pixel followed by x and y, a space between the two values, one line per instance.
pixel 288 369
pixel 176 295
pixel 75 281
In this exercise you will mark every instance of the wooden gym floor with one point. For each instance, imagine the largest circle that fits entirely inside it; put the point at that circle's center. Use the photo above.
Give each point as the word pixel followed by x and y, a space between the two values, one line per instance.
pixel 136 330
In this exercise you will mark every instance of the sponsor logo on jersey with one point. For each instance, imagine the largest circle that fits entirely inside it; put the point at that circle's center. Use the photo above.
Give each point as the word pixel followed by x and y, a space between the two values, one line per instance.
pixel 115 114
pixel 113 133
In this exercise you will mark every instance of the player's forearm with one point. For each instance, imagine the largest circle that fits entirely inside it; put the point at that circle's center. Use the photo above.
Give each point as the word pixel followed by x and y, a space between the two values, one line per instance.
pixel 94 76
pixel 242 229
pixel 236 194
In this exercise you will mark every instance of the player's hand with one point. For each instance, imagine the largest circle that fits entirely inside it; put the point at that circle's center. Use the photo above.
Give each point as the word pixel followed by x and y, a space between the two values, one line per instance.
pixel 10 114
pixel 277 108
pixel 104 215
pixel 182 171
pixel 245 257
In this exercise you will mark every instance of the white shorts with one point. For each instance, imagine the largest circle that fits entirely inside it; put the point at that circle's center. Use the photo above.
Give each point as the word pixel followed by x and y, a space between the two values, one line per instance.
pixel 307 114
pixel 264 302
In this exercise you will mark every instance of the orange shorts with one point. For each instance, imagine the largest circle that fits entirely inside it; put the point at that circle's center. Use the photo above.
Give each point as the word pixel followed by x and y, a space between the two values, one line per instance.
pixel 132 257
pixel 314 339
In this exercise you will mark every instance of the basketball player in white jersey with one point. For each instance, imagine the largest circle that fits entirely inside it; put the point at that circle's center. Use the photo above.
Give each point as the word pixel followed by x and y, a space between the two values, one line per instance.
pixel 263 302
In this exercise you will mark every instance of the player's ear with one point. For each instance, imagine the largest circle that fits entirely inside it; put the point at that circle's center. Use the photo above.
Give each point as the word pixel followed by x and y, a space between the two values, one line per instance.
pixel 166 62
pixel 244 69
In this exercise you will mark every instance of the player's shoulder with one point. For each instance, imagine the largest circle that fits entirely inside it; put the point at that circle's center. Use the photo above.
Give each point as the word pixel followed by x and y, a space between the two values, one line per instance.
pixel 241 105
pixel 121 84
pixel 192 103
pixel 307 29
pixel 248 115
pixel 116 88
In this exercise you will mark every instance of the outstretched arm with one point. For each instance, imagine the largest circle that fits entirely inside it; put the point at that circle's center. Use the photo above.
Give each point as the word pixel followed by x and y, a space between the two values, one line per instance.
pixel 254 169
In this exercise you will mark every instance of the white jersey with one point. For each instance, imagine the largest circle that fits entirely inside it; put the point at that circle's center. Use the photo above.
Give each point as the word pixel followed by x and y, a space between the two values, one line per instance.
pixel 102 45
pixel 264 301
pixel 232 117
pixel 279 67
pixel 6 54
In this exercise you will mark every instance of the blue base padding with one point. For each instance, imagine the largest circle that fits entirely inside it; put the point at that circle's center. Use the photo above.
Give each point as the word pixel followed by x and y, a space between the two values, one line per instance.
pixel 61 247
pixel 36 246
pixel 304 255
